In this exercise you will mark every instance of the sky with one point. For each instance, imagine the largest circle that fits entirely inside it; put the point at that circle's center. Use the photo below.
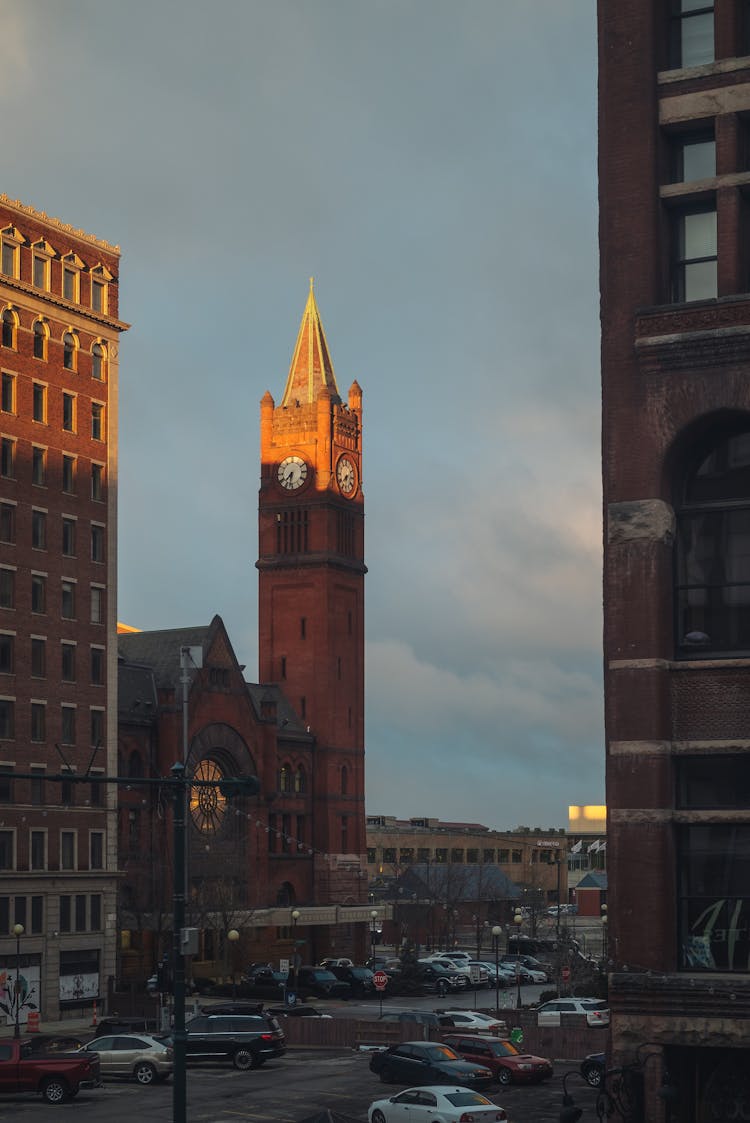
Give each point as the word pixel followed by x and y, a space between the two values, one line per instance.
pixel 433 165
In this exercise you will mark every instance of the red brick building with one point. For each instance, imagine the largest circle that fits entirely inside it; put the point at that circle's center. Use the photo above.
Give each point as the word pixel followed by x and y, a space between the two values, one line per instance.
pixel 674 106
pixel 58 667
pixel 300 846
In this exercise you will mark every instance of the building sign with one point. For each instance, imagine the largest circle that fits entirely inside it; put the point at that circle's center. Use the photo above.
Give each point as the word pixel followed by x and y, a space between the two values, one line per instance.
pixel 26 995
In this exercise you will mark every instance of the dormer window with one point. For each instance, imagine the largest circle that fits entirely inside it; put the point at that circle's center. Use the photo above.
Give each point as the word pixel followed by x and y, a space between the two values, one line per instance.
pixel 71 282
pixel 42 254
pixel 9 257
pixel 100 278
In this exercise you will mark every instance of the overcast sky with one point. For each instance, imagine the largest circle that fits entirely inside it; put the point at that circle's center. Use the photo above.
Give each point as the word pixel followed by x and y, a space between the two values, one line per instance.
pixel 432 164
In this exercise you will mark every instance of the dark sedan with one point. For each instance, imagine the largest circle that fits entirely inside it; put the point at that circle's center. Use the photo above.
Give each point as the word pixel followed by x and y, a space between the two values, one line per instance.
pixel 358 978
pixel 427 1062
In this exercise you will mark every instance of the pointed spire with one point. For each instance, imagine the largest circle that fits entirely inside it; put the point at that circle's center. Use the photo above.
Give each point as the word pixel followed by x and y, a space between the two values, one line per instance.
pixel 311 368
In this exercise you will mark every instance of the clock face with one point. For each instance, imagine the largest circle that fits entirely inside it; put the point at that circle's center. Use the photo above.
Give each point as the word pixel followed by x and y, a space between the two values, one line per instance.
pixel 346 475
pixel 292 472
pixel 207 805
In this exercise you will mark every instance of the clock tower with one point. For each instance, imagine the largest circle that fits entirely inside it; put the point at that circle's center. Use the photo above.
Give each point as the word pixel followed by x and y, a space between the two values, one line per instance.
pixel 311 587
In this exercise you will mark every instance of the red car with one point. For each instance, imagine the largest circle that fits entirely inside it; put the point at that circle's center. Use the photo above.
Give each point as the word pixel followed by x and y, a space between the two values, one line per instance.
pixel 504 1060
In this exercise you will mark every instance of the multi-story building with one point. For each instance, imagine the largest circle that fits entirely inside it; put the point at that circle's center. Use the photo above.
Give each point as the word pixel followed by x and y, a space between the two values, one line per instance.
pixel 674 107
pixel 58 565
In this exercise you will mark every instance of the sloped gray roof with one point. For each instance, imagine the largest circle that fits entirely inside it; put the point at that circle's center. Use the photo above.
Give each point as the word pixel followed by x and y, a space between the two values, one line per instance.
pixel 136 693
pixel 160 650
pixel 595 879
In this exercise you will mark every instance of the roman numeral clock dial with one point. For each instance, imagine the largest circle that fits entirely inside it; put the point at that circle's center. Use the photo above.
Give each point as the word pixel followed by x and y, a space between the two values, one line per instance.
pixel 292 473
pixel 346 476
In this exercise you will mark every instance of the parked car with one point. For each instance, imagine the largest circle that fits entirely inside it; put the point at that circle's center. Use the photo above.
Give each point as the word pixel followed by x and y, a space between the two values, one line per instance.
pixel 317 982
pixel 428 1061
pixel 516 971
pixel 424 1105
pixel 247 1040
pixel 55 1043
pixel 420 1017
pixel 56 1078
pixel 427 978
pixel 115 1024
pixel 359 979
pixel 232 1008
pixel 147 1059
pixel 530 962
pixel 500 980
pixel 296 1012
pixel 341 962
pixel 504 1059
pixel 593 1068
pixel 259 981
pixel 473 1021
pixel 595 1010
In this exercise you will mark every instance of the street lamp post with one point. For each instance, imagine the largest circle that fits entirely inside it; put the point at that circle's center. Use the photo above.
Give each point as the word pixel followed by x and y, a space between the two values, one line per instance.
pixel 518 921
pixel 295 918
pixel 18 931
pixel 605 923
pixel 233 936
pixel 496 934
pixel 373 918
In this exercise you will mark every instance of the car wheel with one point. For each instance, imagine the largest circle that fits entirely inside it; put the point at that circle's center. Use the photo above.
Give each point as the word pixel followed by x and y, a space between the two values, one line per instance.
pixel 592 1074
pixel 54 1091
pixel 442 988
pixel 242 1059
pixel 503 1075
pixel 378 1117
pixel 257 1061
pixel 144 1073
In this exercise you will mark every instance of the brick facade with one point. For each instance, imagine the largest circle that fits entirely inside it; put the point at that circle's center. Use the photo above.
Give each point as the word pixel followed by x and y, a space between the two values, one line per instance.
pixel 59 361
pixel 673 96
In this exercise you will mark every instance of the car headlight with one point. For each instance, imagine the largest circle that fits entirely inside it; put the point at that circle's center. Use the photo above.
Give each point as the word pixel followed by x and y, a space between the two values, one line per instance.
pixel 525 1067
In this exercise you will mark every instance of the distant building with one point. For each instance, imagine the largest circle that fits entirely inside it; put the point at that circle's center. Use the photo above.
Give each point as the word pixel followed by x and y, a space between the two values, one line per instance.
pixel 441 882
pixel 58 588
pixel 674 105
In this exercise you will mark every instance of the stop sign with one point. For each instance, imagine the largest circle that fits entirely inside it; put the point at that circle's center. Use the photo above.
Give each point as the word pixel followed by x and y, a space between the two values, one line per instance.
pixel 380 979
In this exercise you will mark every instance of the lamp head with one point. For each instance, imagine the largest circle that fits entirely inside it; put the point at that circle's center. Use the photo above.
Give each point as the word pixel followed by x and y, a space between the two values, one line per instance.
pixel 233 935
pixel 18 930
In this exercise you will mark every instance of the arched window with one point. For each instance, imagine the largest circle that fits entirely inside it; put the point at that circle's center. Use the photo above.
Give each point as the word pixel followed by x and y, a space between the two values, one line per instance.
pixel 344 780
pixel 300 780
pixel 713 546
pixel 40 339
pixel 70 349
pixel 98 361
pixel 285 895
pixel 10 323
pixel 285 778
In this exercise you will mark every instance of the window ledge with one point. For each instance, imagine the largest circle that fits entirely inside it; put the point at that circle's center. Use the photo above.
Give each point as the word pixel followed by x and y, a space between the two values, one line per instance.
pixel 685 191
pixel 707 70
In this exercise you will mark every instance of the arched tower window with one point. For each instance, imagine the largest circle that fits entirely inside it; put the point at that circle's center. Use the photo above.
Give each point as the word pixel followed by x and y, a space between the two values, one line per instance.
pixel 285 778
pixel 285 895
pixel 344 780
pixel 300 780
pixel 10 324
pixel 713 546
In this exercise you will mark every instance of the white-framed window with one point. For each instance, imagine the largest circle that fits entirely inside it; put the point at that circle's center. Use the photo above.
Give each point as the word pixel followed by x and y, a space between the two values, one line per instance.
pixel 41 257
pixel 38 849
pixel 8 457
pixel 41 336
pixel 97 421
pixel 68 598
pixel 98 361
pixel 98 537
pixel 100 278
pixel 69 535
pixel 10 254
pixel 8 400
pixel 10 328
pixel 68 724
pixel 69 412
pixel 38 720
pixel 39 466
pixel 97 482
pixel 39 402
pixel 7 849
pixel 98 665
pixel 69 473
pixel 71 277
pixel 96 850
pixel 97 725
pixel 98 604
pixel 7 717
pixel 70 350
pixel 38 529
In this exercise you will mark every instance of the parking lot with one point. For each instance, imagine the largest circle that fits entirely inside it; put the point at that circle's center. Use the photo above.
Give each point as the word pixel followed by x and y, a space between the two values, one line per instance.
pixel 282 1091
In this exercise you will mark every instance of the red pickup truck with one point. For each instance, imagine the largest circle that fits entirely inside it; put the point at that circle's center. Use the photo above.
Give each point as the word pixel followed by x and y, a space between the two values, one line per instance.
pixel 56 1077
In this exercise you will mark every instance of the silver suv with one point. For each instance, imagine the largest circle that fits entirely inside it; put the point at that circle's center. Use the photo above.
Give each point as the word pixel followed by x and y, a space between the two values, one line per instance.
pixel 595 1009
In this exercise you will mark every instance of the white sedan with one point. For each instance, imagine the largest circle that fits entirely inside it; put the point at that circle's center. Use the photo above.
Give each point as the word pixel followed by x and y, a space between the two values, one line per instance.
pixel 435 1105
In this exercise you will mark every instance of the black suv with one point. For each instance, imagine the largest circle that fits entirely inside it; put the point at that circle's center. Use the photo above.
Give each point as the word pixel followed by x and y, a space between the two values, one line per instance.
pixel 247 1040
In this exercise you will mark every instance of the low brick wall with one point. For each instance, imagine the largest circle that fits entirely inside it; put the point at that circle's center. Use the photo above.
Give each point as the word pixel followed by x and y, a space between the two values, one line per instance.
pixel 572 1041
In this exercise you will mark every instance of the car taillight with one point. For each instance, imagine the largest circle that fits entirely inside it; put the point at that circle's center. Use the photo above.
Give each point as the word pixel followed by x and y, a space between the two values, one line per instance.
pixel 266 1037
pixel 470 1117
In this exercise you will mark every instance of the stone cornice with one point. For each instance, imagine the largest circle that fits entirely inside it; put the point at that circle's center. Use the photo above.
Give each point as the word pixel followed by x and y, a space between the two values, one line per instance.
pixel 64 227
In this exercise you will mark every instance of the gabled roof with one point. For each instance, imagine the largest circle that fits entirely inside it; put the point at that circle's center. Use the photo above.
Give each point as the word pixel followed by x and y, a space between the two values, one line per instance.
pixel 311 369
pixel 593 880
pixel 160 650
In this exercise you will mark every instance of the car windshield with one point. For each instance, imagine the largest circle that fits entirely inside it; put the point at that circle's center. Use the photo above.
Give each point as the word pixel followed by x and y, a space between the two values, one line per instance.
pixel 361 972
pixel 504 1049
pixel 467 1099
pixel 324 976
pixel 442 1053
